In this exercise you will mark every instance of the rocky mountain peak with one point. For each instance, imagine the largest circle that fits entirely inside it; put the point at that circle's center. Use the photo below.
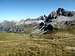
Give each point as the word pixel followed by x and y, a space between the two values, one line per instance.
pixel 60 18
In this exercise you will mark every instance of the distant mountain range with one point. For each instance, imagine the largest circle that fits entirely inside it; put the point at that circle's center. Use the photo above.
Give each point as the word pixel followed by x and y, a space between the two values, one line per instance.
pixel 61 18
pixel 30 21
pixel 58 19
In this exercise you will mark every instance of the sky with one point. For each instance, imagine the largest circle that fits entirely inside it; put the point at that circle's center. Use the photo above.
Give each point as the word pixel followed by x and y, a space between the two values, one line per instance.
pixel 23 9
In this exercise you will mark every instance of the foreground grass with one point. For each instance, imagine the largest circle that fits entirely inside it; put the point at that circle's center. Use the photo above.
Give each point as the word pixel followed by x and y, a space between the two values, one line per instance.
pixel 20 44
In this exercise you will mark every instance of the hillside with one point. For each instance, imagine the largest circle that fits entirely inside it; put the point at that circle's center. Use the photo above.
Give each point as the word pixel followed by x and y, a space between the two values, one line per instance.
pixel 59 43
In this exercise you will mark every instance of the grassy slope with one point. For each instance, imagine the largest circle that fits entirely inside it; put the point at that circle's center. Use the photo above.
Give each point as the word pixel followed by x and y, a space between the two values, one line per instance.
pixel 61 43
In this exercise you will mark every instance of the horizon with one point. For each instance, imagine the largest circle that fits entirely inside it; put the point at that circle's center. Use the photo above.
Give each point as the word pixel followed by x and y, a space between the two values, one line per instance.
pixel 14 10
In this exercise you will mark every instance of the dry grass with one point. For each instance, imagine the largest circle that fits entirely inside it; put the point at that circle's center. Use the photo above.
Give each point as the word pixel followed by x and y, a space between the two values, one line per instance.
pixel 55 44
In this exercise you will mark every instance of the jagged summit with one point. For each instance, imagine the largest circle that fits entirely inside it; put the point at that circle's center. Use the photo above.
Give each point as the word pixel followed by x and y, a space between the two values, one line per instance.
pixel 60 18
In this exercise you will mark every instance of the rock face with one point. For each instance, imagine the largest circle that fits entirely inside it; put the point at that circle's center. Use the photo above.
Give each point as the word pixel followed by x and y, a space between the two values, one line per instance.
pixel 58 19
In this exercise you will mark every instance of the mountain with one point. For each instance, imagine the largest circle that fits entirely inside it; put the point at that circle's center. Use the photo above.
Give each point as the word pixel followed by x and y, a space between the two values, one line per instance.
pixel 60 18
pixel 64 18
pixel 30 21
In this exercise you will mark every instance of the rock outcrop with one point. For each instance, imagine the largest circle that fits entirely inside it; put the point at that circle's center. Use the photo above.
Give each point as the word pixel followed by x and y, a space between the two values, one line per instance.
pixel 60 18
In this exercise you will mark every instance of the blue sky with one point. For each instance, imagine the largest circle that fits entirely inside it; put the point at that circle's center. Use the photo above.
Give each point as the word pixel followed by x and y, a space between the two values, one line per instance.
pixel 22 9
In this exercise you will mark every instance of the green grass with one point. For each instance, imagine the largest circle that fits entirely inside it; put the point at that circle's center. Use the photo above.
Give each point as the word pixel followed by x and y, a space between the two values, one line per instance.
pixel 60 43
